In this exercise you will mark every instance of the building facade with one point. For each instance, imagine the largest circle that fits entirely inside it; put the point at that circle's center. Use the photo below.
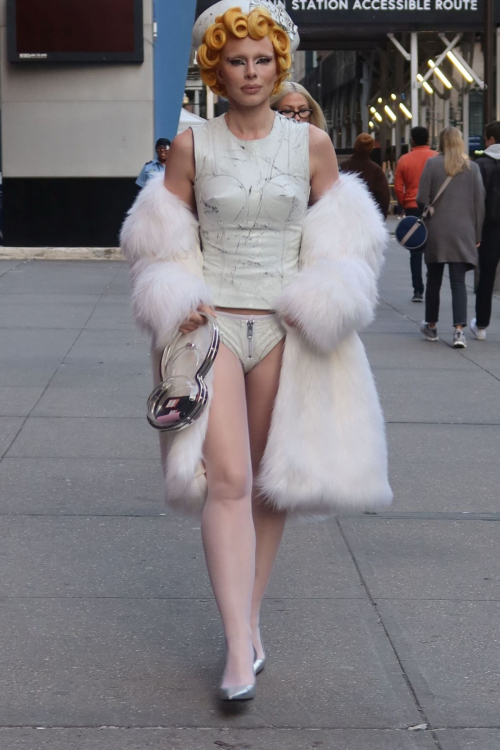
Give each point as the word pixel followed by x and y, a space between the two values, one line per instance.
pixel 75 134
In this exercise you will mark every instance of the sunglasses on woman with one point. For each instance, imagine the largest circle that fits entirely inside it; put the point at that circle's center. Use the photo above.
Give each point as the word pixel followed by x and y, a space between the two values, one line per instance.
pixel 302 113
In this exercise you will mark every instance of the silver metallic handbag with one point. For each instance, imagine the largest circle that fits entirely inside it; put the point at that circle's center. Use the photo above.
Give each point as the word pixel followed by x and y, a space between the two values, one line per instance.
pixel 182 395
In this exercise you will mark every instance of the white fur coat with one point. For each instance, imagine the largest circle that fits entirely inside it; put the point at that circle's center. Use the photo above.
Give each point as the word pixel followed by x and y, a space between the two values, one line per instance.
pixel 326 448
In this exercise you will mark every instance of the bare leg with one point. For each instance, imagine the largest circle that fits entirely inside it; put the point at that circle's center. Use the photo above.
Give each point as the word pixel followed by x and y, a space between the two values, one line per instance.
pixel 227 526
pixel 261 388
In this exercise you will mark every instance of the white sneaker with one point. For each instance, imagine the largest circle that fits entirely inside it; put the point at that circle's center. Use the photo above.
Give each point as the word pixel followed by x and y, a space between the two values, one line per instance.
pixel 459 339
pixel 479 333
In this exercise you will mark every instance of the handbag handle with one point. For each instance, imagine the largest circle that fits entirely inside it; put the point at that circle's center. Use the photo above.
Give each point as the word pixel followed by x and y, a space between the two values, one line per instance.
pixel 429 210
pixel 171 347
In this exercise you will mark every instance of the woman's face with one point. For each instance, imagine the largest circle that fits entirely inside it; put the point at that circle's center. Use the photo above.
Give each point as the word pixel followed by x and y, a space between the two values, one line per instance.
pixel 248 70
pixel 296 106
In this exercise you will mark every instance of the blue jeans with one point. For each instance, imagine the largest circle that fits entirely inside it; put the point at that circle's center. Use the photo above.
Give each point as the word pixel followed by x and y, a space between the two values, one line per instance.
pixel 416 257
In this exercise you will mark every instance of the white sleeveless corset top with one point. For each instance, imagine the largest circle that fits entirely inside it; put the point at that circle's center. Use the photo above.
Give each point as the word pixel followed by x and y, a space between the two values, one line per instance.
pixel 252 197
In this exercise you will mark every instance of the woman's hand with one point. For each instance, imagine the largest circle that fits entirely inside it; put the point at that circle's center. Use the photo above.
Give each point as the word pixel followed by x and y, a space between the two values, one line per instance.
pixel 196 320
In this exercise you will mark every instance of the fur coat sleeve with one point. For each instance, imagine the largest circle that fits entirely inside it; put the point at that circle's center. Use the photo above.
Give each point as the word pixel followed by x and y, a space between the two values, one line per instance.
pixel 342 253
pixel 160 240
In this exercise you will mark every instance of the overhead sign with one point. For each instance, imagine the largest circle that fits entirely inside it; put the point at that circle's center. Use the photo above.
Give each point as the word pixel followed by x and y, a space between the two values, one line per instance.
pixel 427 14
pixel 384 5
pixel 342 20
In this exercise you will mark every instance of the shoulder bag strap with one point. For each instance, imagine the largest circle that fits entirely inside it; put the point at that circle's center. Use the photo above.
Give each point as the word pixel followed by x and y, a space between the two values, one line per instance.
pixel 429 210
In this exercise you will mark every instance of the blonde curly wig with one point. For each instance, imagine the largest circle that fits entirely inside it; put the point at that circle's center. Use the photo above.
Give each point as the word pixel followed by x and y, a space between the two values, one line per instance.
pixel 257 24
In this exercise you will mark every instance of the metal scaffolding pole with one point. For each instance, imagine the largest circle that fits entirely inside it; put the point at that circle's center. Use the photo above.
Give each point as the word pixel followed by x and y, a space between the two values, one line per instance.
pixel 414 82
pixel 364 97
pixel 488 59
pixel 465 117
pixel 384 93
pixel 446 112
pixel 498 74
pixel 400 126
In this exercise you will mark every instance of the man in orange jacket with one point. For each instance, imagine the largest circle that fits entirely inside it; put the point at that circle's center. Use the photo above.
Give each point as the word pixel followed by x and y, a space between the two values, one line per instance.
pixel 406 180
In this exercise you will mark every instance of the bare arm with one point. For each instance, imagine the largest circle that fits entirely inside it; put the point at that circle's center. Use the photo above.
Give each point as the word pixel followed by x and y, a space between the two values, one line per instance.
pixel 179 180
pixel 323 161
pixel 181 171
pixel 324 173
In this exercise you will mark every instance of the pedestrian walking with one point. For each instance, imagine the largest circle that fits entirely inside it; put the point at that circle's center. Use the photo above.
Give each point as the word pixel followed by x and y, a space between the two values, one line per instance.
pixel 296 102
pixel 156 166
pixel 454 229
pixel 360 163
pixel 489 249
pixel 290 286
pixel 406 181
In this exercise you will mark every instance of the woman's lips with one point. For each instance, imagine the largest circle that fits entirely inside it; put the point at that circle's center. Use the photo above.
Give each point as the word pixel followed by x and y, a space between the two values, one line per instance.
pixel 251 89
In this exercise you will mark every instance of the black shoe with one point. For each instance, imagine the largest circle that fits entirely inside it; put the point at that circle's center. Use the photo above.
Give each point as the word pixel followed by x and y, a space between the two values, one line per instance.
pixel 417 297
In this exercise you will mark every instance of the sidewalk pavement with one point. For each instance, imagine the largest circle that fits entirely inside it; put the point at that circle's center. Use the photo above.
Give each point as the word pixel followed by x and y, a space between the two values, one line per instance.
pixel 382 631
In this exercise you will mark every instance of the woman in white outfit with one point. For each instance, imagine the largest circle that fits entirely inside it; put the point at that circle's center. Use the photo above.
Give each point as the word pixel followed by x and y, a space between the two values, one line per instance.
pixel 290 262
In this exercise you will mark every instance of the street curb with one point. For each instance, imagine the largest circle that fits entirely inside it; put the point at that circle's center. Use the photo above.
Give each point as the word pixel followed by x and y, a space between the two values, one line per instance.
pixel 61 253
pixel 69 253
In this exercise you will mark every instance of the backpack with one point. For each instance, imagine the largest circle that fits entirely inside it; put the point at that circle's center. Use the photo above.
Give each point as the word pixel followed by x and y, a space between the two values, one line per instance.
pixel 493 194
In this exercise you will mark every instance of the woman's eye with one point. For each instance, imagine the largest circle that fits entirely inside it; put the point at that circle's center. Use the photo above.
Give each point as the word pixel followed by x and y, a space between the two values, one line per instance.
pixel 264 60
pixel 236 62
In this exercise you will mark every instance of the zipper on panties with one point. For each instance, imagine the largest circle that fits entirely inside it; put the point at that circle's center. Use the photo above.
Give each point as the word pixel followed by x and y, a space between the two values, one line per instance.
pixel 250 338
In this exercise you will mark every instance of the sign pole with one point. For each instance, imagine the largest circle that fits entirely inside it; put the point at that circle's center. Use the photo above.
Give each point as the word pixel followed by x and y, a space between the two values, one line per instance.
pixel 414 73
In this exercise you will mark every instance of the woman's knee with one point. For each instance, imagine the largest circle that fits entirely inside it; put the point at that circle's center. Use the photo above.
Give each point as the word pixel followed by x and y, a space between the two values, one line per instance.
pixel 230 483
pixel 457 274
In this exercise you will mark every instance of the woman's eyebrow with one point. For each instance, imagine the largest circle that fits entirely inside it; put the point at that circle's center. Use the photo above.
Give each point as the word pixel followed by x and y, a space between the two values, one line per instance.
pixel 245 57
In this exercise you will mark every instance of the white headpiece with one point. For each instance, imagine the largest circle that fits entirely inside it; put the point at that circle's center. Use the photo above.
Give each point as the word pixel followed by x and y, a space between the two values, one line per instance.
pixel 275 8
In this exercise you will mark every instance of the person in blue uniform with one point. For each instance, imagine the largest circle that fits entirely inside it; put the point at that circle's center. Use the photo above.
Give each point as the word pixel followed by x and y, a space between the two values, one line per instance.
pixel 156 165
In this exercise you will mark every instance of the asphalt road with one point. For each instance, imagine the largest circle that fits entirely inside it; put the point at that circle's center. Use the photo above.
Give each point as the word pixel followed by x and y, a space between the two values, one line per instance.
pixel 383 632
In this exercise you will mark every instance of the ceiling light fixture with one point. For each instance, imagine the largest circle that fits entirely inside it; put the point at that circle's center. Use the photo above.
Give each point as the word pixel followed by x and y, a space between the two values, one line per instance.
pixel 458 65
pixel 405 110
pixel 440 74
pixel 425 85
pixel 390 113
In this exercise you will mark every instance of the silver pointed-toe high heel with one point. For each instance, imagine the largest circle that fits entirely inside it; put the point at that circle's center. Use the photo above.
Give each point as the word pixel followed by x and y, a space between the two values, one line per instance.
pixel 237 693
pixel 258 665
